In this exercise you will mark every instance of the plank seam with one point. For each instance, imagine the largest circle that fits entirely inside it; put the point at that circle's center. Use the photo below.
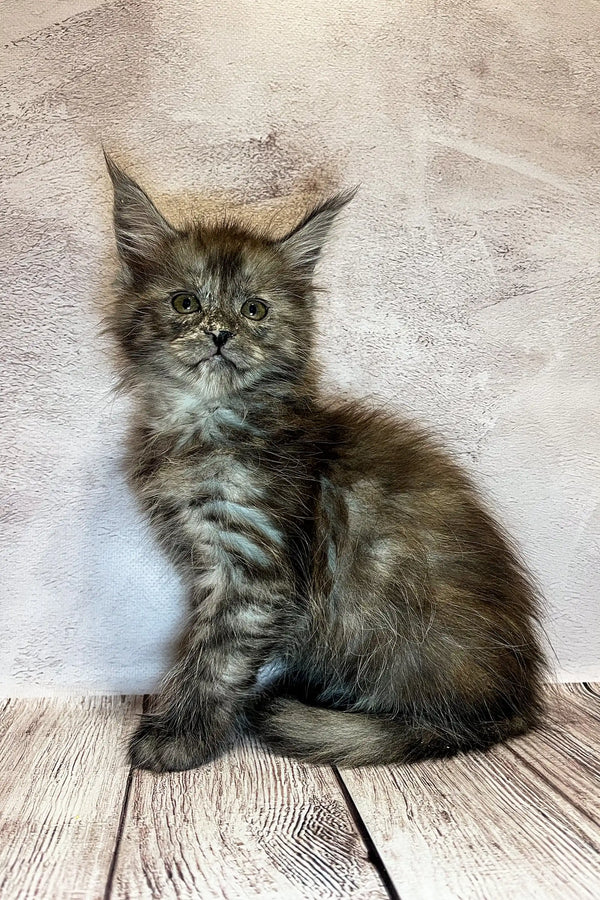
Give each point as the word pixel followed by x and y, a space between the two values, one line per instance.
pixel 113 863
pixel 373 853
pixel 120 828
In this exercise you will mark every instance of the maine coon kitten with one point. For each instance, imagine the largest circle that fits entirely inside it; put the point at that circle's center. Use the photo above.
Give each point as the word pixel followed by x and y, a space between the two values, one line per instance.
pixel 339 545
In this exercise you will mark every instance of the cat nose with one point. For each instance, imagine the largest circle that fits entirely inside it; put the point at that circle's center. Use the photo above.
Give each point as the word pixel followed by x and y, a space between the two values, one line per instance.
pixel 220 337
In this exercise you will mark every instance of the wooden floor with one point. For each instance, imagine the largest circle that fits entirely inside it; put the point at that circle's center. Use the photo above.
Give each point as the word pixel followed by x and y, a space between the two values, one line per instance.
pixel 520 822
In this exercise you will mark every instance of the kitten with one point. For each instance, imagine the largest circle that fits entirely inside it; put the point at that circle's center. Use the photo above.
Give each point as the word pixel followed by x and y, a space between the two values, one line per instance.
pixel 337 546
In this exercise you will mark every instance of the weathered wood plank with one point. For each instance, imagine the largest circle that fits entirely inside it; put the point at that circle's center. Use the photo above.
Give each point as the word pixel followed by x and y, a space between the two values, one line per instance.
pixel 565 753
pixel 587 694
pixel 247 825
pixel 63 776
pixel 523 820
pixel 497 825
pixel 570 706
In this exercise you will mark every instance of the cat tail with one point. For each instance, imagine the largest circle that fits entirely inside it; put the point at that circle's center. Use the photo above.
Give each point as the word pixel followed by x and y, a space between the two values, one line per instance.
pixel 321 735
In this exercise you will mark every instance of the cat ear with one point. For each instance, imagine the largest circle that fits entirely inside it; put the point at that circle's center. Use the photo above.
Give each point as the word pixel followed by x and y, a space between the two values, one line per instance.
pixel 303 245
pixel 139 227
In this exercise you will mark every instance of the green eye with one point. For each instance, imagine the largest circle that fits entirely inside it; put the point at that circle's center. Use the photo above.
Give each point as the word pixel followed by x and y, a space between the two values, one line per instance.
pixel 254 309
pixel 185 303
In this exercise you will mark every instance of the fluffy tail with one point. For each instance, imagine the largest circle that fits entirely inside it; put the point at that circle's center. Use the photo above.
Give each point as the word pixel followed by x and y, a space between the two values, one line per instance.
pixel 321 735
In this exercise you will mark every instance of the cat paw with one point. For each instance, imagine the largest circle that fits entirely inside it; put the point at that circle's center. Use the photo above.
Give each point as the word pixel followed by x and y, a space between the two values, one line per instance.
pixel 159 748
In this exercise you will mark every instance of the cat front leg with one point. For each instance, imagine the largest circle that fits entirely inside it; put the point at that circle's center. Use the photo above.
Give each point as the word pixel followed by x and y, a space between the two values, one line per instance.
pixel 195 717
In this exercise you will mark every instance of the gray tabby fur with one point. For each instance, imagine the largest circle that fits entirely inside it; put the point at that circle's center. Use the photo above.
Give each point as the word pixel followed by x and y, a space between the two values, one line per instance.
pixel 336 545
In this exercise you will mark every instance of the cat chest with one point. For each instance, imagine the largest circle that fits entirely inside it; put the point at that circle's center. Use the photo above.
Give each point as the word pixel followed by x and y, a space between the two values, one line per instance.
pixel 220 504
pixel 206 478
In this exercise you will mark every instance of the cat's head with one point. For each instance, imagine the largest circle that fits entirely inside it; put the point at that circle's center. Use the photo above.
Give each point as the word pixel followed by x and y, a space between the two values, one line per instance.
pixel 218 309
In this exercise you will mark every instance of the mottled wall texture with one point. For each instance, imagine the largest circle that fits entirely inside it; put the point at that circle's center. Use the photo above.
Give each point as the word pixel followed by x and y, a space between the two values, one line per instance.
pixel 463 281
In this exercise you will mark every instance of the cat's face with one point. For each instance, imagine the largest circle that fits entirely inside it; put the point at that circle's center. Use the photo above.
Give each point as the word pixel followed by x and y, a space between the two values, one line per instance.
pixel 216 309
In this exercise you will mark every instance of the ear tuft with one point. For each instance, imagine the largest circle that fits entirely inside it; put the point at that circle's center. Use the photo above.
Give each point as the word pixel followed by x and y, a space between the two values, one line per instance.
pixel 139 227
pixel 303 245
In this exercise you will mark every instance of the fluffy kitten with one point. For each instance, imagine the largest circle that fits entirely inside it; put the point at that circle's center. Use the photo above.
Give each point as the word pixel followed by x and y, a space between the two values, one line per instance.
pixel 339 545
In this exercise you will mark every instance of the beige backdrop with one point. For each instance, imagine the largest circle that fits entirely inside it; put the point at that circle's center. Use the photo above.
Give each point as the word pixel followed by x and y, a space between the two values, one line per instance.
pixel 463 280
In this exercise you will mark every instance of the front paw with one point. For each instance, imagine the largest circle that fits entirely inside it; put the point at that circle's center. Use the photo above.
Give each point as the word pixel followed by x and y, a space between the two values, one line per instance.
pixel 157 746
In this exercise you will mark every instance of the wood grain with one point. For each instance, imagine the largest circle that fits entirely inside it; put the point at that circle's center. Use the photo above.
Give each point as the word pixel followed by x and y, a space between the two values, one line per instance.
pixel 585 694
pixel 566 703
pixel 519 822
pixel 247 825
pixel 62 781
pixel 565 753
pixel 522 821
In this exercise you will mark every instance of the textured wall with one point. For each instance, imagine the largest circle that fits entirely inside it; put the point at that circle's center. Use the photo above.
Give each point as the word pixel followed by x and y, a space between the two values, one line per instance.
pixel 464 278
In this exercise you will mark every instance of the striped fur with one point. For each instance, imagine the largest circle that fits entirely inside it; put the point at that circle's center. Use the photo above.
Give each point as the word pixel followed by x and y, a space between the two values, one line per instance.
pixel 350 596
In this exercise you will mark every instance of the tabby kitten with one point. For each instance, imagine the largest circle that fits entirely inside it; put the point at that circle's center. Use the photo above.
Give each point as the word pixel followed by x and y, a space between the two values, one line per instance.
pixel 338 548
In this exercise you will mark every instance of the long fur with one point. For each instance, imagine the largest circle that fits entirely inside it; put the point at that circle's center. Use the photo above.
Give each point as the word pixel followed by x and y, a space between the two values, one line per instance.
pixel 334 545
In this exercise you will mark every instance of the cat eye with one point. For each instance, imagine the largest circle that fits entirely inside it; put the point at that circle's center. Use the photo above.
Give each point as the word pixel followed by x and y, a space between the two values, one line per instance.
pixel 185 303
pixel 254 309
